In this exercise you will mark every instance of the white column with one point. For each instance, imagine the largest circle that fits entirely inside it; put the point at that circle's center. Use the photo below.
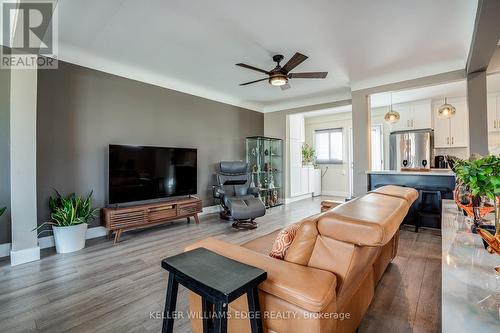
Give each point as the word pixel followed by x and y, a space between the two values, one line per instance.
pixel 23 94
pixel 360 141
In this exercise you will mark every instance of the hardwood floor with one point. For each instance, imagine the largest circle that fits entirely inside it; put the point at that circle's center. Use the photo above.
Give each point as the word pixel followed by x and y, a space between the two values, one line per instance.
pixel 116 288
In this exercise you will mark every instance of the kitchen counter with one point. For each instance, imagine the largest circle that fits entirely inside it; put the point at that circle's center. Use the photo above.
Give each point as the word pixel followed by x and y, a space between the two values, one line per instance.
pixel 470 287
pixel 432 186
pixel 433 172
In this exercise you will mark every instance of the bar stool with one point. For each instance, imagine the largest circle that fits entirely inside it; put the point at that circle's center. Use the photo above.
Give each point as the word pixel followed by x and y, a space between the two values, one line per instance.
pixel 429 206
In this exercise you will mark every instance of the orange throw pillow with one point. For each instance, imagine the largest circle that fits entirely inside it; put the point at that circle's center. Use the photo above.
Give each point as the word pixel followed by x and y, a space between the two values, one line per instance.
pixel 284 240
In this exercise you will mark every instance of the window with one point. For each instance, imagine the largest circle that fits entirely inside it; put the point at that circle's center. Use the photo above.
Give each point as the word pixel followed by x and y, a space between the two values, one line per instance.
pixel 329 145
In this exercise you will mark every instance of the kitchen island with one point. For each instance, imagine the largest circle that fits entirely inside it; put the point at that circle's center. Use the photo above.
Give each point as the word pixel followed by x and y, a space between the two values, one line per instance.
pixel 470 287
pixel 432 186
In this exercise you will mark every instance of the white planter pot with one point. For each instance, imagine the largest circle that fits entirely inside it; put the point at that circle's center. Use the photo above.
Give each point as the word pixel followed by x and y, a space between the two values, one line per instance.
pixel 70 239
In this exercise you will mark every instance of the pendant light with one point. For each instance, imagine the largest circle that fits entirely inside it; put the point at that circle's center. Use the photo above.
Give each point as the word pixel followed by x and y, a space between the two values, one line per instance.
pixel 392 116
pixel 446 111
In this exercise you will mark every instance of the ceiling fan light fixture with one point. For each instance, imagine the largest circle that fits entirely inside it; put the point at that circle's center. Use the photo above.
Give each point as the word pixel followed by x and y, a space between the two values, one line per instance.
pixel 446 111
pixel 278 80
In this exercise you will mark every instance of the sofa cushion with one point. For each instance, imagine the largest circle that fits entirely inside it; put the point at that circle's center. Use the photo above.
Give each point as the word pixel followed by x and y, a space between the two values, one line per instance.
pixel 407 193
pixel 284 240
pixel 370 220
pixel 302 246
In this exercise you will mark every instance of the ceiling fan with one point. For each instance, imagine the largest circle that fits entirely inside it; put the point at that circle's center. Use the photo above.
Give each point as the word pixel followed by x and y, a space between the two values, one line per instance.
pixel 279 76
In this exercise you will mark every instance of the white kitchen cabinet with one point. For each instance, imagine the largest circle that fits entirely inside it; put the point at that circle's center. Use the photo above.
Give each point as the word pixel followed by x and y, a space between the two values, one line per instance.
pixel 296 140
pixel 441 133
pixel 304 180
pixel 421 115
pixel 295 167
pixel 295 186
pixel 316 190
pixel 493 107
pixel 459 125
pixel 414 115
pixel 404 111
pixel 453 132
pixel 297 127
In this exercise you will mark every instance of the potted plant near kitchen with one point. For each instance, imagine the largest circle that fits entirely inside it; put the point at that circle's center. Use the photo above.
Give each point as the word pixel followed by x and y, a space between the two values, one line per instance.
pixel 69 220
pixel 480 178
pixel 307 154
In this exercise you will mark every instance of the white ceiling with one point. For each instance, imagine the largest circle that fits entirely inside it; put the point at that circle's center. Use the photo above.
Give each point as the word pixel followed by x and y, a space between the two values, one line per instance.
pixel 192 46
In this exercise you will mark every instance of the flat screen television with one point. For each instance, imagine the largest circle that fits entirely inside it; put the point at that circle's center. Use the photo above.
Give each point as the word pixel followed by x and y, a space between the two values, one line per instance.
pixel 139 173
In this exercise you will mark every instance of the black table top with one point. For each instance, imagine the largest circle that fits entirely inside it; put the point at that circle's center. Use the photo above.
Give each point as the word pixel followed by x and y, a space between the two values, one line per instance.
pixel 212 275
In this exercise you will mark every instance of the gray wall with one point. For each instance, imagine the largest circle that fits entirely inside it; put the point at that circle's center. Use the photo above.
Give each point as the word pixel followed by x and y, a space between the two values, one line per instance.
pixel 5 154
pixel 80 111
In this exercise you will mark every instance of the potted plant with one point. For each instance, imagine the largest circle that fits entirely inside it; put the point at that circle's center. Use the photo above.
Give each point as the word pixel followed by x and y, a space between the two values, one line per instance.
pixel 2 210
pixel 307 154
pixel 69 220
pixel 480 178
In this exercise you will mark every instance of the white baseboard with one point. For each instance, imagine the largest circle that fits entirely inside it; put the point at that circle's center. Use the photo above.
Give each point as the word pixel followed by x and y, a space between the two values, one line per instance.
pixel 298 198
pixel 48 241
pixel 24 256
pixel 335 193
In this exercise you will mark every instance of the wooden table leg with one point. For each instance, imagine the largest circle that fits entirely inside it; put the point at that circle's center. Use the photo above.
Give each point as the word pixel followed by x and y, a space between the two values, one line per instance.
pixel 170 302
pixel 196 219
pixel 206 312
pixel 254 309
pixel 220 321
pixel 118 233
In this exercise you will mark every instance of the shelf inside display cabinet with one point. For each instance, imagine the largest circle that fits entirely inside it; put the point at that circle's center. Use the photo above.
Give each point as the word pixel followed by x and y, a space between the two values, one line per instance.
pixel 264 157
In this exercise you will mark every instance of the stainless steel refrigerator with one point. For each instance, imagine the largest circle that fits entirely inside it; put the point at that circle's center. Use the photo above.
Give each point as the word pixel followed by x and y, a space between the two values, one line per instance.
pixel 411 149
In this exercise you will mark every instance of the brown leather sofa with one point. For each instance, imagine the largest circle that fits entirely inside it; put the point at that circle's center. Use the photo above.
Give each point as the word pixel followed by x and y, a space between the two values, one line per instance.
pixel 328 278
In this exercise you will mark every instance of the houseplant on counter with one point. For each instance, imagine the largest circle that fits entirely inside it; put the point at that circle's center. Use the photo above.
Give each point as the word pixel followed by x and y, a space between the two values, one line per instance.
pixel 480 178
pixel 69 220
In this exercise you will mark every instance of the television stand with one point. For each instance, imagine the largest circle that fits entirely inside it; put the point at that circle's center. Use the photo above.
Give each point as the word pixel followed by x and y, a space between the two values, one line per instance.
pixel 119 219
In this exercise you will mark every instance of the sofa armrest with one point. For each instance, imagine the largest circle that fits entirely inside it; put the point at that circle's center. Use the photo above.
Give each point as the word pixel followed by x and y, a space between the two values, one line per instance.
pixel 306 287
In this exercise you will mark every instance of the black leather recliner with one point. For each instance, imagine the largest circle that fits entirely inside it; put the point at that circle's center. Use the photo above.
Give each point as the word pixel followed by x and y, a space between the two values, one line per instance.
pixel 240 202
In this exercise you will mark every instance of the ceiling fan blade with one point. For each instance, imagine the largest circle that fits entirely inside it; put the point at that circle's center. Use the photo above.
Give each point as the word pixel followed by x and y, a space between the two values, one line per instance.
pixel 296 60
pixel 286 86
pixel 309 75
pixel 252 68
pixel 244 84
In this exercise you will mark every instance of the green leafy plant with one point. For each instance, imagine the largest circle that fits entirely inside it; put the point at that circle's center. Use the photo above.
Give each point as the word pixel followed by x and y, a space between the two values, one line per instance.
pixel 70 210
pixel 307 154
pixel 480 175
pixel 2 210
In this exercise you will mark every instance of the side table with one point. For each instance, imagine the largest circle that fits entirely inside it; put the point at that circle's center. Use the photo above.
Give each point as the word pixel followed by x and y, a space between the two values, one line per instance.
pixel 219 281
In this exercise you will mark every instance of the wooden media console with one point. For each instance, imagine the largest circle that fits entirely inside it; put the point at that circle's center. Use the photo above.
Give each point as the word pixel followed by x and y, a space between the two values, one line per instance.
pixel 118 219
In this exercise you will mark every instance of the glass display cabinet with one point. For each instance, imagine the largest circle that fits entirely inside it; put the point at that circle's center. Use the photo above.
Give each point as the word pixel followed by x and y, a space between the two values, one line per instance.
pixel 265 159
